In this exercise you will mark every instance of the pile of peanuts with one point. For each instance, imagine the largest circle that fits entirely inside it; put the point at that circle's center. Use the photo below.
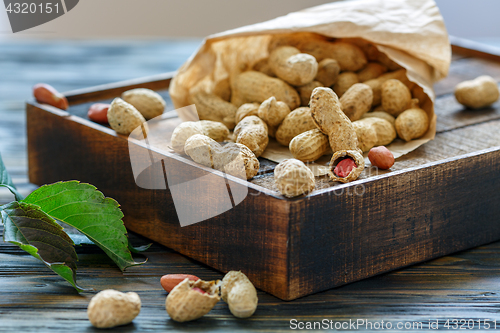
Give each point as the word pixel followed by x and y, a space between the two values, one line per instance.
pixel 314 95
pixel 189 298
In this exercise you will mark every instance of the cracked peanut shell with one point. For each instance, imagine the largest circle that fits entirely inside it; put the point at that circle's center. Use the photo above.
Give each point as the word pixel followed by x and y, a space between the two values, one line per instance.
pixel 185 304
pixel 339 156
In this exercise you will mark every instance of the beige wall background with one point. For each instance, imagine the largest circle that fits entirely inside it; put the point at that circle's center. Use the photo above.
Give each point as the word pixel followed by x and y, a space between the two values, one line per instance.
pixel 157 18
pixel 198 18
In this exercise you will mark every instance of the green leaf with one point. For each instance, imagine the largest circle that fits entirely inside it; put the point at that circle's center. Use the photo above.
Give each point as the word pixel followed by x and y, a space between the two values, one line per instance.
pixel 138 249
pixel 83 207
pixel 38 234
pixel 76 236
pixel 6 181
pixel 80 239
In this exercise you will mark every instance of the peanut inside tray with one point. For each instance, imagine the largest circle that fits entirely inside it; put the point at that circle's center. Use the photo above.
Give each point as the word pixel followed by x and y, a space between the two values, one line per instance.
pixel 459 130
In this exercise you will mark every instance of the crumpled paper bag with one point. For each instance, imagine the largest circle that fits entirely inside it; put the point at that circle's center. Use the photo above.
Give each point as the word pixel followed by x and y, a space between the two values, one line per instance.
pixel 410 32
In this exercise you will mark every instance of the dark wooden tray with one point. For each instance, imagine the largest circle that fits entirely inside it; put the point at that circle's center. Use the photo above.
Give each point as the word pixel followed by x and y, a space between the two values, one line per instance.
pixel 439 199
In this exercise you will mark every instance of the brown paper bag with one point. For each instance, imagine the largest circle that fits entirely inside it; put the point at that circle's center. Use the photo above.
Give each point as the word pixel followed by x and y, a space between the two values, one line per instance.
pixel 410 32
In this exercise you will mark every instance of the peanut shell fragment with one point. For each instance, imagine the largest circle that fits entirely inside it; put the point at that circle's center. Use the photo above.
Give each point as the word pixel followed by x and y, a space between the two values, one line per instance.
pixel 186 303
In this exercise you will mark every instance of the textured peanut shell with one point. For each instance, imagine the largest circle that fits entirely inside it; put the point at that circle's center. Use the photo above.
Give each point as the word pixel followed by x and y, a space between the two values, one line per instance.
pixel 252 132
pixel 390 64
pixel 148 102
pixel 272 111
pixel 292 66
pixel 293 178
pixel 302 40
pixel 367 136
pixel 380 114
pixel 478 93
pixel 185 304
pixel 239 293
pixel 310 145
pixel 412 124
pixel 329 118
pixel 373 132
pixel 371 71
pixel 124 117
pixel 328 72
pixel 396 97
pixel 306 90
pixel 212 107
pixel 271 131
pixel 182 132
pixel 368 48
pixel 376 84
pixel 245 110
pixel 221 88
pixel 354 174
pixel 344 82
pixel 110 308
pixel 237 160
pixel 201 149
pixel 213 129
pixel 386 131
pixel 263 67
pixel 296 122
pixel 234 158
pixel 256 87
pixel 357 101
pixel 349 56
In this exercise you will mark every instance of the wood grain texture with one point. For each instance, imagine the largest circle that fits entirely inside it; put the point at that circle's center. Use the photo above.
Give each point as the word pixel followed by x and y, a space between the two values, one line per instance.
pixel 462 285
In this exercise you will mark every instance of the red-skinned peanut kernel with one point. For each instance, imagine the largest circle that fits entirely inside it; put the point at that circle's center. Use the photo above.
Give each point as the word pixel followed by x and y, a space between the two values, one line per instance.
pixel 199 290
pixel 98 112
pixel 381 157
pixel 169 281
pixel 47 94
pixel 344 168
